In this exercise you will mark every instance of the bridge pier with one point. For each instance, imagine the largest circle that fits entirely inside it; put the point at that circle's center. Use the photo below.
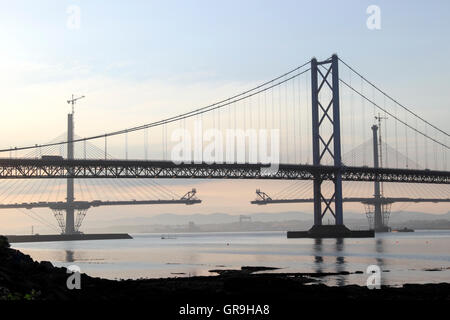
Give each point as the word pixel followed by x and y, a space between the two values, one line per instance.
pixel 327 114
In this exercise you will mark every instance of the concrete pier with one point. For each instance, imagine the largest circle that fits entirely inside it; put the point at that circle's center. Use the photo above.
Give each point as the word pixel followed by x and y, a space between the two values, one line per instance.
pixel 67 237
pixel 331 231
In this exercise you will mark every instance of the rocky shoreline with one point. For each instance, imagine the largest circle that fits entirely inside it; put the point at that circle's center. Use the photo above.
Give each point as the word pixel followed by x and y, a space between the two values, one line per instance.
pixel 22 278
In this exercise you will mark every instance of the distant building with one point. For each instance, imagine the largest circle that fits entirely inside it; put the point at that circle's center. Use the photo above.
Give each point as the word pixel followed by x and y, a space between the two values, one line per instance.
pixel 191 226
pixel 244 218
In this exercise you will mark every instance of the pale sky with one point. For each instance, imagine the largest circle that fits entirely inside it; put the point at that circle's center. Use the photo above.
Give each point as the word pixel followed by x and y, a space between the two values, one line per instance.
pixel 141 61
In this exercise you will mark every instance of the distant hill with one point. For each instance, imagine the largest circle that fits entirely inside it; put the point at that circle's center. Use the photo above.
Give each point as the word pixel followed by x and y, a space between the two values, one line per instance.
pixel 177 219
pixel 401 216
pixel 259 221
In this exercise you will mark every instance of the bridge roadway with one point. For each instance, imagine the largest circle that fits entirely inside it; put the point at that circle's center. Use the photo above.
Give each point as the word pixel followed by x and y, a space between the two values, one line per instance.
pixel 382 200
pixel 20 168
pixel 62 205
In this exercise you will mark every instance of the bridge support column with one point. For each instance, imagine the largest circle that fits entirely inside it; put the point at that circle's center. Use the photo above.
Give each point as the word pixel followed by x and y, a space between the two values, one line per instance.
pixel 325 114
pixel 378 221
pixel 315 144
pixel 70 216
pixel 337 142
pixel 326 142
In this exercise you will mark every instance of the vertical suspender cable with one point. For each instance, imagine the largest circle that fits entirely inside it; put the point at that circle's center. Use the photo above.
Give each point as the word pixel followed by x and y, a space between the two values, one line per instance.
pixel 352 121
pixel 286 112
pixel 299 119
pixel 406 139
pixel 106 147
pixel 385 141
pixel 426 147
pixel 308 121
pixel 294 120
pixel 279 124
pixel 396 136
pixel 126 145
pixel 435 151
pixel 364 127
pixel 416 146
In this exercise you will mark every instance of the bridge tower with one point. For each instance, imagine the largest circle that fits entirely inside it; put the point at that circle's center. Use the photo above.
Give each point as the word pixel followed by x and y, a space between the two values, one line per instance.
pixel 327 145
pixel 325 113
pixel 70 216
pixel 70 210
pixel 377 195
pixel 379 212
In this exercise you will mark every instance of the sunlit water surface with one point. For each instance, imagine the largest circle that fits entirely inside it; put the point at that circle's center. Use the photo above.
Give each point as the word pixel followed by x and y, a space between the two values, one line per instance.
pixel 419 257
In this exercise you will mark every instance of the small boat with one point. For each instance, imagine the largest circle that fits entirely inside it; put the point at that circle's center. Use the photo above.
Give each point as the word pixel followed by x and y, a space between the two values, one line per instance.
pixel 405 229
pixel 167 237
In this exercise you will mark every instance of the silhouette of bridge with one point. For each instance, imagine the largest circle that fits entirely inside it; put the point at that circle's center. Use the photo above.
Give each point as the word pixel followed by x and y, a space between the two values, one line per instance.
pixel 316 112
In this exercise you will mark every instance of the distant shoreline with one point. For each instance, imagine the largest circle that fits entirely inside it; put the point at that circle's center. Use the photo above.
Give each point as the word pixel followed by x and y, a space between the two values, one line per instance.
pixel 221 228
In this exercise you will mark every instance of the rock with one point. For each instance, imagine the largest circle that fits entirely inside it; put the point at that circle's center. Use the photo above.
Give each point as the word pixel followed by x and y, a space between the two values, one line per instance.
pixel 46 265
pixel 4 242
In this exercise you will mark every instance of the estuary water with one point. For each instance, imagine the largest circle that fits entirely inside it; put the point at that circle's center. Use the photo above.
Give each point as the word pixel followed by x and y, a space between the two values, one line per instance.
pixel 418 257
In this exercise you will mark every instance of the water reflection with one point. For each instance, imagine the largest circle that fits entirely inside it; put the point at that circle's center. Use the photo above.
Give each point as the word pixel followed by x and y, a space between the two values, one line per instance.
pixel 379 248
pixel 69 256
pixel 340 264
pixel 407 256
pixel 318 259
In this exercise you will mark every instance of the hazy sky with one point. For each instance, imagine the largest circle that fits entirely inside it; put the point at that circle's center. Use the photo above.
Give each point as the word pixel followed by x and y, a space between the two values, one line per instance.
pixel 139 61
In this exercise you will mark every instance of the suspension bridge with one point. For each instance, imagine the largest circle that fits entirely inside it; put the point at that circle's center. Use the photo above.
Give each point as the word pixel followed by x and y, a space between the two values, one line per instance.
pixel 312 123
pixel 377 207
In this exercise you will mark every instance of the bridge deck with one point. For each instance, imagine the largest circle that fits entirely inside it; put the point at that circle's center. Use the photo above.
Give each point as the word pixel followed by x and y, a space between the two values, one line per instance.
pixel 383 200
pixel 13 168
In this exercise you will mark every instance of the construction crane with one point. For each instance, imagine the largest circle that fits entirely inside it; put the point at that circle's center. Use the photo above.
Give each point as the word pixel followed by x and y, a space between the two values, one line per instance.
pixel 73 101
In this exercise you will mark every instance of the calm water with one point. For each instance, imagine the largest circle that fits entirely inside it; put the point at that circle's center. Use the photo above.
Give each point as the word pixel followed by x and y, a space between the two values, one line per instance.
pixel 404 257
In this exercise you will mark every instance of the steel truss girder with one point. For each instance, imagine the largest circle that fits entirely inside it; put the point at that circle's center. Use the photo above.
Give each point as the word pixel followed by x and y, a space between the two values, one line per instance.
pixel 11 168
